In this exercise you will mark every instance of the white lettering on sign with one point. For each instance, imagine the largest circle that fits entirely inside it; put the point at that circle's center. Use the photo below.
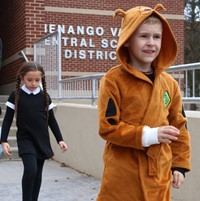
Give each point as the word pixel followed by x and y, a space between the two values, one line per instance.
pixel 92 37
pixel 90 54
pixel 106 43
pixel 115 31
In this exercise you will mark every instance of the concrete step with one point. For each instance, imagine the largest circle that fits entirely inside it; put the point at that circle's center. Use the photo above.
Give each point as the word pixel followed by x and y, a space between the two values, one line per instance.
pixel 3 106
pixel 12 140
pixel 3 113
pixel 13 131
pixel 4 98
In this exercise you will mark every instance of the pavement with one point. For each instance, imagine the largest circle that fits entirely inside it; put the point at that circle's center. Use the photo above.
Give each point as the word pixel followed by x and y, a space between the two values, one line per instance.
pixel 60 183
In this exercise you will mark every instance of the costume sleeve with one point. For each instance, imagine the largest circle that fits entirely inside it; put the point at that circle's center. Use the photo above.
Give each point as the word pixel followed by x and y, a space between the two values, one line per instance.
pixel 181 170
pixel 111 127
pixel 54 126
pixel 181 149
pixel 8 118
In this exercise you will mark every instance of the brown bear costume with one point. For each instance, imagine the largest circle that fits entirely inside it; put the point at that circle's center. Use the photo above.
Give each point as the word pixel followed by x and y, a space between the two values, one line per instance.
pixel 128 101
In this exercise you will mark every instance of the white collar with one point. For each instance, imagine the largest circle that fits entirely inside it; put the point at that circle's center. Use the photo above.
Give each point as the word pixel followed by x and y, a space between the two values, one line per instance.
pixel 25 89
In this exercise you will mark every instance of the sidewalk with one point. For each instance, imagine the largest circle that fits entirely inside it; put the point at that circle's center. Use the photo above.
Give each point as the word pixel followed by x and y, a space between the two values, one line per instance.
pixel 59 183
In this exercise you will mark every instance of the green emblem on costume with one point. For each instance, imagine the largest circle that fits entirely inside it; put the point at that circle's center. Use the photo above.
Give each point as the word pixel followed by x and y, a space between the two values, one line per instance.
pixel 166 99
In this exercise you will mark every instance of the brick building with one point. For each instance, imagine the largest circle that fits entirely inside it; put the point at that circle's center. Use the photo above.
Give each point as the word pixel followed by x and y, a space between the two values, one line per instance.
pixel 89 33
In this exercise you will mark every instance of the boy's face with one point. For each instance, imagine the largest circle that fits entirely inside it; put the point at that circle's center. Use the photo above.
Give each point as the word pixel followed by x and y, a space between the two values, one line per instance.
pixel 144 45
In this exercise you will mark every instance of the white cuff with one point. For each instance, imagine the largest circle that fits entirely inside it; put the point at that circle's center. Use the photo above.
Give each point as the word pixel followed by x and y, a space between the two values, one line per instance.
pixel 51 106
pixel 10 105
pixel 149 136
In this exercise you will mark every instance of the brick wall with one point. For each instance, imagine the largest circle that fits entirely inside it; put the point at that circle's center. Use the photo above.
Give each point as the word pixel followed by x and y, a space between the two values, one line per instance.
pixel 75 19
pixel 22 23
pixel 12 26
pixel 34 19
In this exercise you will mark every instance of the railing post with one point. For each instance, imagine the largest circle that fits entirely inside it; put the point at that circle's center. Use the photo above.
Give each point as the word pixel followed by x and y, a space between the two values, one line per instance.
pixel 93 91
pixel 186 83
pixel 193 83
pixel 59 66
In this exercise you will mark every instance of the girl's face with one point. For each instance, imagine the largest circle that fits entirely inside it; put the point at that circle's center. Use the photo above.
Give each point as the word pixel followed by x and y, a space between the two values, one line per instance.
pixel 144 45
pixel 32 79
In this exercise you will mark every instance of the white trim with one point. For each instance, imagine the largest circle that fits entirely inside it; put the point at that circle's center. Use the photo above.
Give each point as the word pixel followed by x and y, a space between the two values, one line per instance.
pixel 51 106
pixel 78 11
pixel 10 105
pixel 99 12
pixel 173 17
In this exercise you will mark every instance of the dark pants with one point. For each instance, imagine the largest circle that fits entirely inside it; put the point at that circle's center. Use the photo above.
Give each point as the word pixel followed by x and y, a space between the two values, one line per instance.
pixel 32 177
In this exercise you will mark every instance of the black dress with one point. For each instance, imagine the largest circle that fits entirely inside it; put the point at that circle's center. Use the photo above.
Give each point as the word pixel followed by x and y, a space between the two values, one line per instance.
pixel 32 128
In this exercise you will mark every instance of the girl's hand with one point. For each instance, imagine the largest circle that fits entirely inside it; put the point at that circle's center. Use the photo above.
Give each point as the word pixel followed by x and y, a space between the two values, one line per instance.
pixel 6 148
pixel 178 179
pixel 167 134
pixel 63 146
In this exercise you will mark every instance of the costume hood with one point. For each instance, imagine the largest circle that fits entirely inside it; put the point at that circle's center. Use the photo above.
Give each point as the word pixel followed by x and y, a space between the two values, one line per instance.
pixel 131 20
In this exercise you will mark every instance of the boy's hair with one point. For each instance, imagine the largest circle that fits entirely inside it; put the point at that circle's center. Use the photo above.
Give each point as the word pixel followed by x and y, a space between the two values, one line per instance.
pixel 24 69
pixel 152 19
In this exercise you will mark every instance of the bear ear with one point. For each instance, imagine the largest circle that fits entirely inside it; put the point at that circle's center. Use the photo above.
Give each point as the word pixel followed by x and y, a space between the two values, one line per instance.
pixel 119 12
pixel 160 8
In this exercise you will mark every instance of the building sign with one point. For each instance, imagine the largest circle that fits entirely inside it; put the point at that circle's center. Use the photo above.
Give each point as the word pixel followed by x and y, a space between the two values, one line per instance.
pixel 79 41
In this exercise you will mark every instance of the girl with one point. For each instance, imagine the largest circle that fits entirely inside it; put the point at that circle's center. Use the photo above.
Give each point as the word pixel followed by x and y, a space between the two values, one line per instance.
pixel 34 112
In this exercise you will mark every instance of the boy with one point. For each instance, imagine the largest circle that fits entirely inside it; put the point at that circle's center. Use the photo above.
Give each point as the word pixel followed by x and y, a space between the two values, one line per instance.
pixel 141 115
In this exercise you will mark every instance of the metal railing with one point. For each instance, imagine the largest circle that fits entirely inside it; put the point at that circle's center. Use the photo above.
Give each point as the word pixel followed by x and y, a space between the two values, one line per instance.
pixel 188 77
pixel 86 87
pixel 47 52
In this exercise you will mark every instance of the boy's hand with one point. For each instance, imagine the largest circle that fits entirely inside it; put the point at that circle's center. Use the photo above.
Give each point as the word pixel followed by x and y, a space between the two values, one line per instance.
pixel 63 146
pixel 167 134
pixel 6 148
pixel 178 179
